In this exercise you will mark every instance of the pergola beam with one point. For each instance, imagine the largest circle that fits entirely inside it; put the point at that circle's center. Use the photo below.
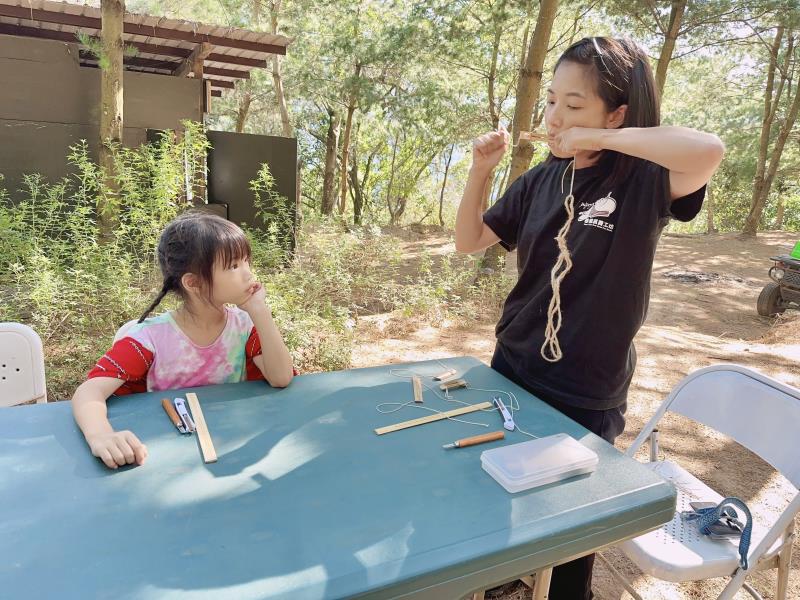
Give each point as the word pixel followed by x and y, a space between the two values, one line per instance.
pixel 194 62
pixel 47 16
pixel 68 36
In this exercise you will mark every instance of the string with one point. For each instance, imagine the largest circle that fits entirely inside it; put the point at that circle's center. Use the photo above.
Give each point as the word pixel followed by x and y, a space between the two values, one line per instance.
pixel 551 349
pixel 513 403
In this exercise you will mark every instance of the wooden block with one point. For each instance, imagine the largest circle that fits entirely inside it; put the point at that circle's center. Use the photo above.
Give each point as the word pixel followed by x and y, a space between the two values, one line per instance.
pixel 453 384
pixel 431 418
pixel 416 382
pixel 203 436
pixel 445 375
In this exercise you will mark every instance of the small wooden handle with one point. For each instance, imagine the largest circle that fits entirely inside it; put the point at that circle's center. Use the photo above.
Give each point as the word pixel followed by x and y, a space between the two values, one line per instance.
pixel 532 136
pixel 416 382
pixel 480 439
pixel 171 412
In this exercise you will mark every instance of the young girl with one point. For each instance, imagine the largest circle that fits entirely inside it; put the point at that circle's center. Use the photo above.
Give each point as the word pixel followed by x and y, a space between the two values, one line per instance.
pixel 206 261
pixel 586 223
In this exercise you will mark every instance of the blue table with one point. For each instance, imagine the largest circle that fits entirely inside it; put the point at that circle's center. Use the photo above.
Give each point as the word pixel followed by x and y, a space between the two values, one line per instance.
pixel 306 501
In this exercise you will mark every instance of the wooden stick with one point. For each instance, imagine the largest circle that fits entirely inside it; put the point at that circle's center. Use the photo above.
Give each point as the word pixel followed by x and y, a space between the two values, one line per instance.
pixel 532 136
pixel 453 384
pixel 417 383
pixel 203 436
pixel 432 418
pixel 445 375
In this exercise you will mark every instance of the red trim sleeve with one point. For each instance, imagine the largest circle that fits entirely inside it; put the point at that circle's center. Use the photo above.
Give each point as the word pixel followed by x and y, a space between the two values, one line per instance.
pixel 253 349
pixel 127 360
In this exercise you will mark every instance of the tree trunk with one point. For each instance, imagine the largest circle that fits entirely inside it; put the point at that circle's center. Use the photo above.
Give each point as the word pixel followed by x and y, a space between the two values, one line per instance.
pixel 444 184
pixel 329 180
pixel 765 174
pixel 676 15
pixel 391 184
pixel 277 78
pixel 111 118
pixel 356 188
pixel 528 87
pixel 243 111
pixel 778 225
pixel 710 228
pixel 348 127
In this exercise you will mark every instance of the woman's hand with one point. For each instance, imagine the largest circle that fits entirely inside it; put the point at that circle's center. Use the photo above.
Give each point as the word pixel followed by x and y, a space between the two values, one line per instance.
pixel 488 149
pixel 118 448
pixel 576 139
pixel 256 301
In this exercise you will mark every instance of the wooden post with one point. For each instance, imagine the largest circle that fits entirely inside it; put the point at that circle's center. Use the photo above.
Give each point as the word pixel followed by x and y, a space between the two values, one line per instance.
pixel 111 117
pixel 192 65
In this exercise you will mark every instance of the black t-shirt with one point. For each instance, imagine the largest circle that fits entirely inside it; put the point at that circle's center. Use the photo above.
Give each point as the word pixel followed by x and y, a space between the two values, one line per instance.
pixel 604 297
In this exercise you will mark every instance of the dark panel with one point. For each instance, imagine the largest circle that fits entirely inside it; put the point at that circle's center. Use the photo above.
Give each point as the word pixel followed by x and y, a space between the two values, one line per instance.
pixel 37 147
pixel 234 161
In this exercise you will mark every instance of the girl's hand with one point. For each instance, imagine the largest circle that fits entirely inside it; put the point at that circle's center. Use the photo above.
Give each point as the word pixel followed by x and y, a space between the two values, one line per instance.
pixel 576 139
pixel 488 149
pixel 256 300
pixel 118 448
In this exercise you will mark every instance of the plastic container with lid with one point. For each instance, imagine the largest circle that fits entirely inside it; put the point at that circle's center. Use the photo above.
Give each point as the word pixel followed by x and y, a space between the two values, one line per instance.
pixel 538 462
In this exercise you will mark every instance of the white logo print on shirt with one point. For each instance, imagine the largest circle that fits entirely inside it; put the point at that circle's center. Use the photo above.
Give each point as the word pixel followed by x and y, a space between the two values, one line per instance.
pixel 601 209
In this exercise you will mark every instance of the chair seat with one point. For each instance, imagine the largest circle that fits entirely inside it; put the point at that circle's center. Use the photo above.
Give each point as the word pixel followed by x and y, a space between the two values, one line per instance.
pixel 678 551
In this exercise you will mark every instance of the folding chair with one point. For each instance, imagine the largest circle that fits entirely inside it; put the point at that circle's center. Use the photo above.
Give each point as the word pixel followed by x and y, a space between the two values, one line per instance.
pixel 21 365
pixel 758 413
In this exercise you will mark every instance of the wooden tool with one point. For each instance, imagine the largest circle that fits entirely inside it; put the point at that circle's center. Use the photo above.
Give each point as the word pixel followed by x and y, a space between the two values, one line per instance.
pixel 532 136
pixel 445 375
pixel 203 436
pixel 173 414
pixel 477 439
pixel 453 384
pixel 417 383
pixel 432 418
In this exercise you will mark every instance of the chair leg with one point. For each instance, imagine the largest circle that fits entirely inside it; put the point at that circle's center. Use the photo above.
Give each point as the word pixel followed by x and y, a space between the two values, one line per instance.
pixel 619 577
pixel 541 584
pixel 784 558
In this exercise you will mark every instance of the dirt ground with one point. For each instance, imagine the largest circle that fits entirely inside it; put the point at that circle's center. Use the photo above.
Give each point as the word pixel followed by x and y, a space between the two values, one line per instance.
pixel 702 312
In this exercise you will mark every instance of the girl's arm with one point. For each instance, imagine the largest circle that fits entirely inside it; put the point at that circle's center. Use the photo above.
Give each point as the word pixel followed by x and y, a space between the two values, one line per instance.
pixel 114 448
pixel 275 362
pixel 691 156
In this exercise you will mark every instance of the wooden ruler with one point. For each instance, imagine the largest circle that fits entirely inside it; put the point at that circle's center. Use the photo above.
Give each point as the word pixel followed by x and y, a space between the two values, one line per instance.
pixel 206 445
pixel 417 383
pixel 431 418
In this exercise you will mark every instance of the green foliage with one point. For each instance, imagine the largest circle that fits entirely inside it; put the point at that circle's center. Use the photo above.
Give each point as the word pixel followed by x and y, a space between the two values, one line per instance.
pixel 272 237
pixel 95 46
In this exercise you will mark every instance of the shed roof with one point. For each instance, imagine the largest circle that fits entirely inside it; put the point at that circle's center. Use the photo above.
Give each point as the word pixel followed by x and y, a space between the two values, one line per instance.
pixel 162 44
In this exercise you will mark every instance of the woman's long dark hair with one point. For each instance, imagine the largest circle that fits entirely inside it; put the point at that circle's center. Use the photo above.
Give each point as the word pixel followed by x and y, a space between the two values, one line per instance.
pixel 193 243
pixel 623 76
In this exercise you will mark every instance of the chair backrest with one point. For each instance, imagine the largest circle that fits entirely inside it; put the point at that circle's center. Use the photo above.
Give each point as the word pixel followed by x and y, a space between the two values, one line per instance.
pixel 124 329
pixel 758 412
pixel 21 365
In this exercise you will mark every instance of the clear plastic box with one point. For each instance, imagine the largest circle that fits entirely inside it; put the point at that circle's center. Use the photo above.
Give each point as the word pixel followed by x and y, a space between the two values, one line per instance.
pixel 538 462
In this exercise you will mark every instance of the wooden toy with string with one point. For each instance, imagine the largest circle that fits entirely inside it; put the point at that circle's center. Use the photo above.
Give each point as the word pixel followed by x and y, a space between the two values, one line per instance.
pixel 551 349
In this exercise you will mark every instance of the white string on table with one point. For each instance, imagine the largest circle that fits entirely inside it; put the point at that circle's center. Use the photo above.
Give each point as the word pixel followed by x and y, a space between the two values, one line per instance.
pixel 514 405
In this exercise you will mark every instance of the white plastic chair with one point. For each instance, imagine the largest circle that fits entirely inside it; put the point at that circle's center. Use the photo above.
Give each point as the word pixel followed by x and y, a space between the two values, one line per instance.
pixel 760 414
pixel 21 365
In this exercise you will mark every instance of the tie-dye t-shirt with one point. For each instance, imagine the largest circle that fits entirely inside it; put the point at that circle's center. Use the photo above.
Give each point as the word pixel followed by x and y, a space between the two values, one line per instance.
pixel 157 355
